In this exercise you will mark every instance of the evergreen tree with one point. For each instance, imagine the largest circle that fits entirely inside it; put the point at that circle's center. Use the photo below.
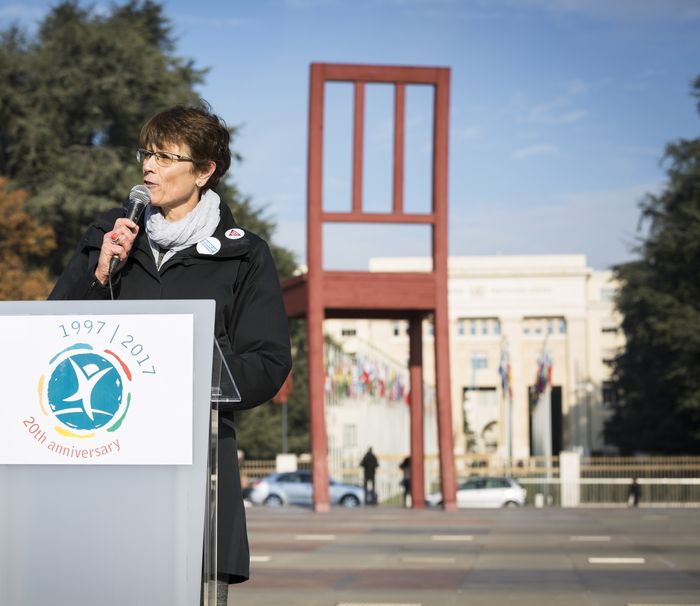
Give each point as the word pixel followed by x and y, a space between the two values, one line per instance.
pixel 72 102
pixel 658 373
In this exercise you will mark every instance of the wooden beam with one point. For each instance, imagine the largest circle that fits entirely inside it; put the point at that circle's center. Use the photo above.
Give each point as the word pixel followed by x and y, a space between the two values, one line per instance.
pixel 339 72
pixel 399 125
pixel 364 217
pixel 415 367
pixel 375 290
pixel 314 301
pixel 358 146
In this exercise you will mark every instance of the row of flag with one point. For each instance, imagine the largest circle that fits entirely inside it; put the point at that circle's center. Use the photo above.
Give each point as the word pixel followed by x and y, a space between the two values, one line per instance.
pixel 542 379
pixel 361 375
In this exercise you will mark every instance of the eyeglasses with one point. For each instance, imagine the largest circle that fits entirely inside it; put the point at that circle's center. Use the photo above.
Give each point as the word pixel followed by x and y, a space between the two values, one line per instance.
pixel 162 158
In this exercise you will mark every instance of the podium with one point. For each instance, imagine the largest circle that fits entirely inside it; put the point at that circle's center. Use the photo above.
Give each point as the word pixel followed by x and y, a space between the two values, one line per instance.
pixel 108 419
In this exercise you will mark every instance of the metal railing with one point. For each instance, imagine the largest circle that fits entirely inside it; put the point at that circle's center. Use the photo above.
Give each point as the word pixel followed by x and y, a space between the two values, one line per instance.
pixel 603 481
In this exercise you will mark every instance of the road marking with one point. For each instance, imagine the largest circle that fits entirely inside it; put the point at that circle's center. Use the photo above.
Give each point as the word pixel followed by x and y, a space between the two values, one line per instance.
pixel 453 537
pixel 616 560
pixel 589 537
pixel 260 558
pixel 654 516
pixel 315 537
pixel 428 560
pixel 659 604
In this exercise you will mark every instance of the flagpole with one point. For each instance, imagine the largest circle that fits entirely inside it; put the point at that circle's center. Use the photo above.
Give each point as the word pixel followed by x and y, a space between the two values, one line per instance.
pixel 543 414
pixel 505 372
pixel 547 368
pixel 547 403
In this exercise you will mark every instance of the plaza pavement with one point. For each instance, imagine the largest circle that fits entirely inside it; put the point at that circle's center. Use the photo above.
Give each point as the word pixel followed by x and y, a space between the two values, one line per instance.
pixel 391 556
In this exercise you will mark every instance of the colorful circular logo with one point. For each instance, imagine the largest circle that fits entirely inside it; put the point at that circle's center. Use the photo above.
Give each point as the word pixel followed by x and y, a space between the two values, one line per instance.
pixel 85 390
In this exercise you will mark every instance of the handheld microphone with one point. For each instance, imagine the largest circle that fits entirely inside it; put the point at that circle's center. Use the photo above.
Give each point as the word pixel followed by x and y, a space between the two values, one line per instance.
pixel 139 196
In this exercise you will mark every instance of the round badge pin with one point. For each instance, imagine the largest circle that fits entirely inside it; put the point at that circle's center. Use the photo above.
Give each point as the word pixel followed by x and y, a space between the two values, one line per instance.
pixel 235 233
pixel 208 246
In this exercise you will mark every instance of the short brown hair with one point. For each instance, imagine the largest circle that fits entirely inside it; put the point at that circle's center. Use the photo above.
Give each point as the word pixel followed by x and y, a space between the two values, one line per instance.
pixel 197 127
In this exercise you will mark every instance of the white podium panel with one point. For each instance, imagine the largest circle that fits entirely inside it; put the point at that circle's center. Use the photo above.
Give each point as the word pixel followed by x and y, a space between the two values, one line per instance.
pixel 97 389
pixel 125 526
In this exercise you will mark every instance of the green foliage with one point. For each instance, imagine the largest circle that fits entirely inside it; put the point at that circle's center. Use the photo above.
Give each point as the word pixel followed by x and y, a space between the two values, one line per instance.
pixel 259 430
pixel 72 103
pixel 658 374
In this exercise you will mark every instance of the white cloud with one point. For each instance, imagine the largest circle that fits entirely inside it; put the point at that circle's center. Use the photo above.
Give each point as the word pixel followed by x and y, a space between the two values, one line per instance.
pixel 560 109
pixel 535 150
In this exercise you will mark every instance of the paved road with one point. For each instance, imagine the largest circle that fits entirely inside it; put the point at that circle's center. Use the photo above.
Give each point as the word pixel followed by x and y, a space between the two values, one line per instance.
pixel 382 556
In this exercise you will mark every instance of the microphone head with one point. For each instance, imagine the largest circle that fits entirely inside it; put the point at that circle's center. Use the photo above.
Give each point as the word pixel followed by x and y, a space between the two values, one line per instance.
pixel 139 197
pixel 140 194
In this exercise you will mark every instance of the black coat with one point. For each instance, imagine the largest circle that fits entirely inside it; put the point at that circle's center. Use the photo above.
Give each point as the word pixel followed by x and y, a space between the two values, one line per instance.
pixel 251 328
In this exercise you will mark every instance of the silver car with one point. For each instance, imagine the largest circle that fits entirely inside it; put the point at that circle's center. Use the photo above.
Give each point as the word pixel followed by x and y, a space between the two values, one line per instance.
pixel 294 487
pixel 485 492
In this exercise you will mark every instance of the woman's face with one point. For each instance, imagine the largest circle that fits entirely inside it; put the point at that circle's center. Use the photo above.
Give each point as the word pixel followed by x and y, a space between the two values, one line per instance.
pixel 175 188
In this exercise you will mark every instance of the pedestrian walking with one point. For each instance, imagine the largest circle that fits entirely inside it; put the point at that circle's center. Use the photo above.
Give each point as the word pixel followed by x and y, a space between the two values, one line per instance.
pixel 634 493
pixel 406 481
pixel 369 466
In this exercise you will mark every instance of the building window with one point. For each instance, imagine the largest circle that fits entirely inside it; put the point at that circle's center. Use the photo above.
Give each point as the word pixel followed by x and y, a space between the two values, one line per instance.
pixel 479 360
pixel 348 332
pixel 482 327
pixel 540 326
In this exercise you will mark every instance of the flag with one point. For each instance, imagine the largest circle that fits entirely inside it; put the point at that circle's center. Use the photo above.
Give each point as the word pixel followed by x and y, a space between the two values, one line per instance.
pixel 544 371
pixel 504 371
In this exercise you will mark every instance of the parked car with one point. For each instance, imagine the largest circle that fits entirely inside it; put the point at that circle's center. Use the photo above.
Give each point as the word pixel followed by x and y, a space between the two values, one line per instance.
pixel 295 488
pixel 485 492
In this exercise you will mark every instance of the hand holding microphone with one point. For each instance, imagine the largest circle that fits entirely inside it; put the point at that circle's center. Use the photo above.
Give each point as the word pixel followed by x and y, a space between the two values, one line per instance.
pixel 117 244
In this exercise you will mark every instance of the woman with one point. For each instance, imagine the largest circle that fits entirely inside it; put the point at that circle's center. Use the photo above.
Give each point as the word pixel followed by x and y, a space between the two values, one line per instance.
pixel 190 247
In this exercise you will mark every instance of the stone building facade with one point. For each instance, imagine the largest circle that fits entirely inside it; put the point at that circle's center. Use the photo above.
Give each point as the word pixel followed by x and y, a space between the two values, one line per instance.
pixel 514 308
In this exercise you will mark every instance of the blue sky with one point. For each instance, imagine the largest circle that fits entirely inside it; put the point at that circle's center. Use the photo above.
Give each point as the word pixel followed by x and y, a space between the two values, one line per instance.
pixel 560 112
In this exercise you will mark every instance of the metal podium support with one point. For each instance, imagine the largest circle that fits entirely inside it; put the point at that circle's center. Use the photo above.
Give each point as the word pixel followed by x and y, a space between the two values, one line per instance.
pixel 223 391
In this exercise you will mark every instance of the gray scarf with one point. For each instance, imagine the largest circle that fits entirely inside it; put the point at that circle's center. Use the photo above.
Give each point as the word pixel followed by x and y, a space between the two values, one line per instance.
pixel 198 224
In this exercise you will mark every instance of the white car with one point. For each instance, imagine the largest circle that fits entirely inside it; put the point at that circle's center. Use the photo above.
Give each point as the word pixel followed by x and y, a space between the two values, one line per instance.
pixel 485 492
